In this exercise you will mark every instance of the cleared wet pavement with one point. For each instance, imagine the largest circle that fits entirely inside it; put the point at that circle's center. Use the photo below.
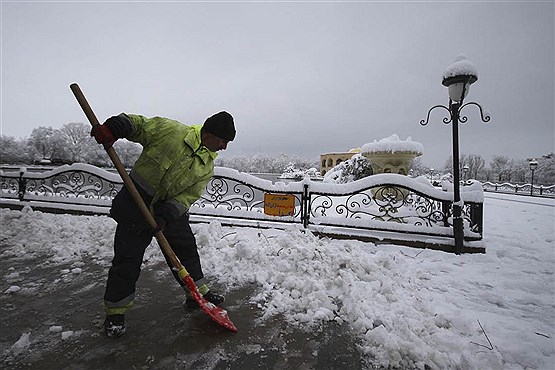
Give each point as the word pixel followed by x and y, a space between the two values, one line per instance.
pixel 60 307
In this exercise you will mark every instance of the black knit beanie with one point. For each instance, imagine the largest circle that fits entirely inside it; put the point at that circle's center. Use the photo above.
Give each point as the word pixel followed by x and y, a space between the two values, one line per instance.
pixel 221 125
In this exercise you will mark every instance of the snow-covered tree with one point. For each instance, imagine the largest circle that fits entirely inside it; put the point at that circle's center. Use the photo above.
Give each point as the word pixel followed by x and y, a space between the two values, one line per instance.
pixel 77 141
pixel 13 151
pixel 265 163
pixel 128 151
pixel 47 142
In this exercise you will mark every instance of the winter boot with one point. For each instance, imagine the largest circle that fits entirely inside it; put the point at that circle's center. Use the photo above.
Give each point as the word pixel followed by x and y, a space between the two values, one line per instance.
pixel 114 326
pixel 209 296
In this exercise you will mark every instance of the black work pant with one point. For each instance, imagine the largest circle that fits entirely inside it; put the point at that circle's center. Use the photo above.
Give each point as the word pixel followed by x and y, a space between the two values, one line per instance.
pixel 133 235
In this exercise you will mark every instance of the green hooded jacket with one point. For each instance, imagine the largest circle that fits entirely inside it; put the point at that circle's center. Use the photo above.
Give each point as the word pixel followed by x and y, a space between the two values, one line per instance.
pixel 174 167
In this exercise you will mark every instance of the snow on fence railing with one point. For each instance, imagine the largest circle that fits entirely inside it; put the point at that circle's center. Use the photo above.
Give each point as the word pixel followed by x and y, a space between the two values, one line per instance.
pixel 383 202
pixel 394 202
pixel 524 189
pixel 234 194
pixel 76 184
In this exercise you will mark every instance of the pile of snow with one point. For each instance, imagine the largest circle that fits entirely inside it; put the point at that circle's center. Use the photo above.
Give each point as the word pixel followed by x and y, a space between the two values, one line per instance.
pixel 22 343
pixel 393 144
pixel 407 308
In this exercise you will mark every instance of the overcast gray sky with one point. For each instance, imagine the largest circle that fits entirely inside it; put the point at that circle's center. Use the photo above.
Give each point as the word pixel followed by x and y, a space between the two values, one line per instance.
pixel 301 78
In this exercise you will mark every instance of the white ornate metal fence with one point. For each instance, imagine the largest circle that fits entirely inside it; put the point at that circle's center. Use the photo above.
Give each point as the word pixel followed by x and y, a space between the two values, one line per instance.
pixel 387 208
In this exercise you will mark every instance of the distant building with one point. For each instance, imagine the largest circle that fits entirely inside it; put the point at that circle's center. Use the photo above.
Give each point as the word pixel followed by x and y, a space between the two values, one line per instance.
pixel 330 160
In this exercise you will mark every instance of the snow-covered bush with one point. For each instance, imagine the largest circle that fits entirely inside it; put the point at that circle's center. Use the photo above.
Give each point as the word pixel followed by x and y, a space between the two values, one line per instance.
pixel 350 170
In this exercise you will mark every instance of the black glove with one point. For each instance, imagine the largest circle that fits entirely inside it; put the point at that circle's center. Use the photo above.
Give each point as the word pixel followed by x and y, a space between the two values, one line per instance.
pixel 160 224
pixel 164 214
pixel 119 125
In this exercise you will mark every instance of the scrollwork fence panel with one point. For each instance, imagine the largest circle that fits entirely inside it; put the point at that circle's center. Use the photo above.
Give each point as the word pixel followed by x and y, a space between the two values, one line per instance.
pixel 230 193
pixel 372 207
pixel 75 184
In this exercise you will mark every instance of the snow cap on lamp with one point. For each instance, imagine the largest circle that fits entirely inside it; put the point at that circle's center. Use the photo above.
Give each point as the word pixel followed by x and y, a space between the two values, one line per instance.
pixel 458 77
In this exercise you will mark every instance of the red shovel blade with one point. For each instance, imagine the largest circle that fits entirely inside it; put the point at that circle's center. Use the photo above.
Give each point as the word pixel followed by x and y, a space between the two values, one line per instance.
pixel 217 314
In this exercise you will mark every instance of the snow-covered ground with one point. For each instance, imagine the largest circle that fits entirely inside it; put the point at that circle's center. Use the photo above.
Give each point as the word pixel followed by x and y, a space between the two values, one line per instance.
pixel 406 307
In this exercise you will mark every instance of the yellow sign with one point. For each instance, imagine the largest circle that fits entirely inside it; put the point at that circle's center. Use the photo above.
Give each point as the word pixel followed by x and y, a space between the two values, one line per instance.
pixel 279 204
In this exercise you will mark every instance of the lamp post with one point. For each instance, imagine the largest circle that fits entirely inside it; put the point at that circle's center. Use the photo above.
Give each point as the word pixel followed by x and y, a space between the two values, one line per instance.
pixel 457 78
pixel 432 176
pixel 465 171
pixel 533 166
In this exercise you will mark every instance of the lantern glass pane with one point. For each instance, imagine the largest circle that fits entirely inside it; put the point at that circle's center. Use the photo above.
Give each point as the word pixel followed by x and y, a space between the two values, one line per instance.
pixel 456 90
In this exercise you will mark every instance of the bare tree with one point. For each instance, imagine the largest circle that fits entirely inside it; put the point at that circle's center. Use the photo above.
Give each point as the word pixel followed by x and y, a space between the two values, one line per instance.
pixel 545 173
pixel 501 166
pixel 475 165
pixel 519 171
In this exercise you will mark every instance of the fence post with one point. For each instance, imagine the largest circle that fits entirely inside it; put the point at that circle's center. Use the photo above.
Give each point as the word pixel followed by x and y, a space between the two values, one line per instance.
pixel 305 212
pixel 22 184
pixel 446 211
pixel 477 217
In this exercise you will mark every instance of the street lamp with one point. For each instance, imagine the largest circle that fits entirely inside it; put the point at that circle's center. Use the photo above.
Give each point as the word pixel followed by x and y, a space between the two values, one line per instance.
pixel 432 176
pixel 457 78
pixel 533 166
pixel 465 171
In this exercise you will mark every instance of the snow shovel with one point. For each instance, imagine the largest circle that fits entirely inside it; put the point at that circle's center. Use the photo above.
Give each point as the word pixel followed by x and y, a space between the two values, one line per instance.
pixel 217 314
